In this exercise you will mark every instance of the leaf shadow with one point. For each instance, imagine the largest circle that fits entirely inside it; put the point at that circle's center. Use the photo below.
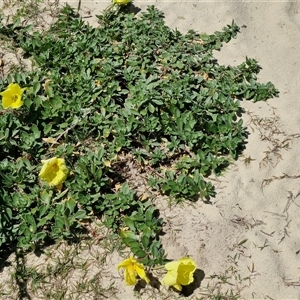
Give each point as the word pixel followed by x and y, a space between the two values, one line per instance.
pixel 189 289
pixel 154 282
pixel 21 276
pixel 131 8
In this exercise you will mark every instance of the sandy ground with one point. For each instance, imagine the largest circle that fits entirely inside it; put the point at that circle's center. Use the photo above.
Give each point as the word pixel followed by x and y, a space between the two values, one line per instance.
pixel 249 233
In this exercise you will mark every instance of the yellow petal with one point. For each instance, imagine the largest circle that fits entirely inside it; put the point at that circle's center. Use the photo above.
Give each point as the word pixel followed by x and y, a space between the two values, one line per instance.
pixel 170 278
pixel 16 89
pixel 130 275
pixel 185 274
pixel 12 96
pixel 121 1
pixel 178 287
pixel 172 265
pixel 125 263
pixel 130 272
pixel 6 102
pixel 54 171
pixel 141 272
pixel 186 271
pixel 187 260
pixel 132 269
pixel 180 272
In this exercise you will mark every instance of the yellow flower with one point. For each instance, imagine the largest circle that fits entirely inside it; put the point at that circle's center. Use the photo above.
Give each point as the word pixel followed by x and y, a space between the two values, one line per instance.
pixel 54 171
pixel 132 269
pixel 121 1
pixel 12 96
pixel 180 273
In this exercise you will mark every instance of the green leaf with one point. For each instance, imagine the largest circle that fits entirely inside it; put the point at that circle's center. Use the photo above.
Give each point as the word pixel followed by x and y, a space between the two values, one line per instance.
pixel 8 212
pixel 129 223
pixel 145 241
pixel 140 253
pixel 17 22
pixel 70 204
pixel 80 214
pixel 151 108
pixel 36 87
pixel 36 131
pixel 149 213
pixel 60 195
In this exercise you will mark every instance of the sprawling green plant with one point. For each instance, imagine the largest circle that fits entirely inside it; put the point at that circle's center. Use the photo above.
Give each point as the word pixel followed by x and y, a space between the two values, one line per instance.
pixel 131 86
